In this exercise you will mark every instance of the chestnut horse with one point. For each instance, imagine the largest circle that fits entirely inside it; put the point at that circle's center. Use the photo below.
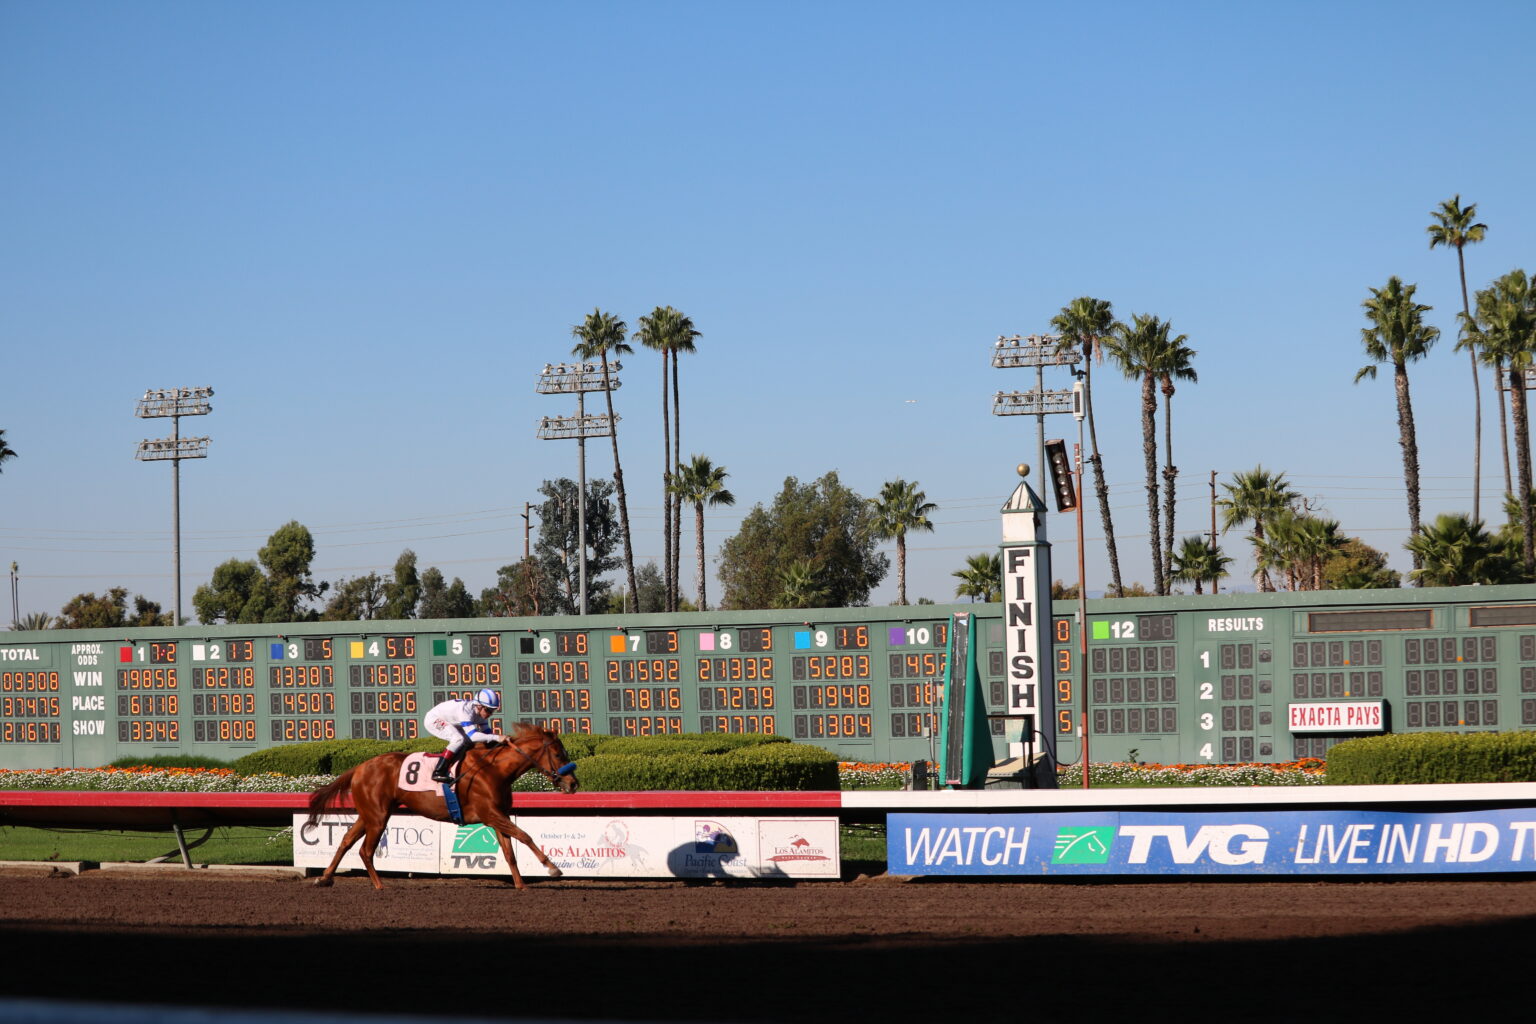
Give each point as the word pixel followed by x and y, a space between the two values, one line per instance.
pixel 483 788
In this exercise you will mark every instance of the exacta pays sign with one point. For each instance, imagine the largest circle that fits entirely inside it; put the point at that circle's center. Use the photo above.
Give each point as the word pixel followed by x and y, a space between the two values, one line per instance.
pixel 1243 843
pixel 1337 716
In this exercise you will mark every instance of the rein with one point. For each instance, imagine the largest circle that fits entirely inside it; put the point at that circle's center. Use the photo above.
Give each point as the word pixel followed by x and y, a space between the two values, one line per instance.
pixel 552 776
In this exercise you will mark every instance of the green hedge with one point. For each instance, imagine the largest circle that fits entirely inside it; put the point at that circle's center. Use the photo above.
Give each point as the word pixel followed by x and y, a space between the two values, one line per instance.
pixel 694 761
pixel 1433 757
pixel 767 766
pixel 684 743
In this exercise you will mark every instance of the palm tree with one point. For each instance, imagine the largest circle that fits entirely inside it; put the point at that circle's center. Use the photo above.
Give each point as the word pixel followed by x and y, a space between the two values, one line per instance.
pixel 800 586
pixel 1453 227
pixel 1457 551
pixel 596 337
pixel 1299 546
pixel 33 621
pixel 1137 348
pixel 1399 335
pixel 1315 541
pixel 669 332
pixel 701 483
pixel 900 508
pixel 1505 326
pixel 1256 496
pixel 6 454
pixel 1198 562
pixel 982 577
pixel 1086 322
pixel 1173 359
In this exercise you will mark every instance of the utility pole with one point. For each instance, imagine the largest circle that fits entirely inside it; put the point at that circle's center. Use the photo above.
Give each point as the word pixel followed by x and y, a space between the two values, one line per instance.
pixel 1215 584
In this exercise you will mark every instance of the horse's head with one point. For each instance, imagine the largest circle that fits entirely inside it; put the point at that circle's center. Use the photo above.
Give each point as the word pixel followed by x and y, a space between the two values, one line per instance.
pixel 543 751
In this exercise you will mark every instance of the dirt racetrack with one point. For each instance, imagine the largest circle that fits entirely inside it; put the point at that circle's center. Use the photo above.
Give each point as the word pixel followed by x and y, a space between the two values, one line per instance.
pixel 878 949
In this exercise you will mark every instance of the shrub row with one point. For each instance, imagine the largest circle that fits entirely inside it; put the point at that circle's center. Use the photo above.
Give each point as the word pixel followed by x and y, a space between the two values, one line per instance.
pixel 1433 757
pixel 693 761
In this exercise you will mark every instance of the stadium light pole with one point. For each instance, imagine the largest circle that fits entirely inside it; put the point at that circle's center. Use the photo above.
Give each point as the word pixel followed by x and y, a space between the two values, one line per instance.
pixel 579 379
pixel 174 403
pixel 1038 351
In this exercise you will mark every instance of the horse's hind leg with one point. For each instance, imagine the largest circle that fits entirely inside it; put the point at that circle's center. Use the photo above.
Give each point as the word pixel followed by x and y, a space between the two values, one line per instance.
pixel 347 840
pixel 371 839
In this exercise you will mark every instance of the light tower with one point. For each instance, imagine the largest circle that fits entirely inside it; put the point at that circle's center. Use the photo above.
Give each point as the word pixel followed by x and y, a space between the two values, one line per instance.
pixel 174 403
pixel 579 379
pixel 1039 351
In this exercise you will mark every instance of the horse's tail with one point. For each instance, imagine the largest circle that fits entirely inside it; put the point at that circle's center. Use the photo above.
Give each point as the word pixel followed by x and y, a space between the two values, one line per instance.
pixel 329 794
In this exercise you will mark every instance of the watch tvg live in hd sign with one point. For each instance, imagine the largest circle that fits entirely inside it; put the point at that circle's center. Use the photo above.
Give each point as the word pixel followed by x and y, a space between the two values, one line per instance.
pixel 1238 843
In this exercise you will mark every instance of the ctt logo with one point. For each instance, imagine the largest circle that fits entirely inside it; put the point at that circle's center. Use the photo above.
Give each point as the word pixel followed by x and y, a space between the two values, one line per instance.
pixel 474 846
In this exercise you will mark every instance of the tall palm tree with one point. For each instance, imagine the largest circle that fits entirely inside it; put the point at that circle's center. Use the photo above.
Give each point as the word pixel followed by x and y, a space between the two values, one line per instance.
pixel 598 336
pixel 682 343
pixel 900 508
pixel 982 577
pixel 1085 323
pixel 6 454
pixel 1136 347
pixel 1454 227
pixel 1505 325
pixel 701 483
pixel 1198 562
pixel 1398 335
pixel 669 332
pixel 1257 496
pixel 1172 361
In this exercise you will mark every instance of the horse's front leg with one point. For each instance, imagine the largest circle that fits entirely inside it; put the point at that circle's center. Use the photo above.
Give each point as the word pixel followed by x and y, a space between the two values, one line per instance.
pixel 505 831
pixel 506 851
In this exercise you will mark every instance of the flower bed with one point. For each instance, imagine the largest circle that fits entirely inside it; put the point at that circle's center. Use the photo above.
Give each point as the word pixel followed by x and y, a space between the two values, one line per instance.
pixel 1309 771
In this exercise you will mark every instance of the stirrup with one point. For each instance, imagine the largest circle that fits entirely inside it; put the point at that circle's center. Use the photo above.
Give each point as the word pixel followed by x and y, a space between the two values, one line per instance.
pixel 442 777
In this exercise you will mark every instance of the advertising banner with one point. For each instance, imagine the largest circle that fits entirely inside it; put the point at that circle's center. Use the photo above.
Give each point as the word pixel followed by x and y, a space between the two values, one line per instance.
pixel 1299 842
pixel 596 847
pixel 409 844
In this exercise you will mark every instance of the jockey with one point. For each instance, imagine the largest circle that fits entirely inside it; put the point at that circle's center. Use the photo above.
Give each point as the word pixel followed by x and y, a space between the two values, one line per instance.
pixel 463 723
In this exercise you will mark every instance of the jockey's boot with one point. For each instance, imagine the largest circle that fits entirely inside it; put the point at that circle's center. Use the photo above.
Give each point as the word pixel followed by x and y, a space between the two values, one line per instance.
pixel 442 773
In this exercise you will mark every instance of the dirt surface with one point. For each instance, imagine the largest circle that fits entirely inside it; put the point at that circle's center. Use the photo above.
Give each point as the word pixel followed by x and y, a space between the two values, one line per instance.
pixel 879 949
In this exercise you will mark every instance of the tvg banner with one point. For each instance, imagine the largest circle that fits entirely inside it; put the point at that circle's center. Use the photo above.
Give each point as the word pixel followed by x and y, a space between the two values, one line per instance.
pixel 1235 843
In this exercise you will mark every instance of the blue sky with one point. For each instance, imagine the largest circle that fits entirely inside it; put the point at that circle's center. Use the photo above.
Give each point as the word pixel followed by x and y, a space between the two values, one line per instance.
pixel 369 225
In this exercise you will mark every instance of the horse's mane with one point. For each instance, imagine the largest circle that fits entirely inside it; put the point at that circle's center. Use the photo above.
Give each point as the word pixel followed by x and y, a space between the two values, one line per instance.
pixel 521 729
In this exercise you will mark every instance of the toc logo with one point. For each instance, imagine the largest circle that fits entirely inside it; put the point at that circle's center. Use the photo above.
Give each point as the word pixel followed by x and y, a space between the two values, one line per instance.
pixel 1083 845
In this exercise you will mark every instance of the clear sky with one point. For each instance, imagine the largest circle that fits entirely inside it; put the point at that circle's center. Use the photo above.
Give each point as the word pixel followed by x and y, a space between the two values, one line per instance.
pixel 368 225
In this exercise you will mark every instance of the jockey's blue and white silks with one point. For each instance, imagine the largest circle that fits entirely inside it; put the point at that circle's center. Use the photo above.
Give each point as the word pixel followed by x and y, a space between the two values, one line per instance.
pixel 458 724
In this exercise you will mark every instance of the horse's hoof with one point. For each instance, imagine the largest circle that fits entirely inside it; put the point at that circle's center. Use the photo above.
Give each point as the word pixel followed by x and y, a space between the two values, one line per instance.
pixel 555 872
pixel 322 883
